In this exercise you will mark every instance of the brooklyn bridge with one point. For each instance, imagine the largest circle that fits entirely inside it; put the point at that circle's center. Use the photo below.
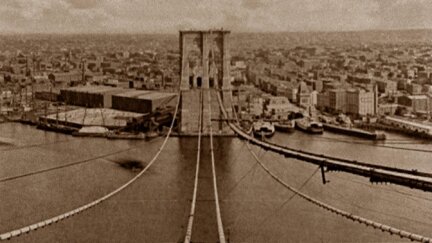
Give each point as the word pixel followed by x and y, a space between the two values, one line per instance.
pixel 213 182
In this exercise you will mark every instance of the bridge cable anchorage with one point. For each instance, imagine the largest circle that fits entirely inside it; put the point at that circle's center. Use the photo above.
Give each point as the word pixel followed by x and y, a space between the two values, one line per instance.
pixel 46 222
pixel 342 213
pixel 188 236
pixel 218 212
pixel 376 225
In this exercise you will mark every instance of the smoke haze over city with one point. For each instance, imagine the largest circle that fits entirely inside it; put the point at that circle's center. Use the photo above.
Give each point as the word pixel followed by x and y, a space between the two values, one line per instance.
pixel 167 16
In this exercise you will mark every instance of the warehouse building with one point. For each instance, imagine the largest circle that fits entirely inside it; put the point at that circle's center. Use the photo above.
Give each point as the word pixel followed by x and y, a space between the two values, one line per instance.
pixel 139 101
pixel 90 96
pixel 142 101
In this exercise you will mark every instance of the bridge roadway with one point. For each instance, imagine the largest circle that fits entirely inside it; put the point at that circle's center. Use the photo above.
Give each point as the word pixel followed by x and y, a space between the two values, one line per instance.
pixel 254 207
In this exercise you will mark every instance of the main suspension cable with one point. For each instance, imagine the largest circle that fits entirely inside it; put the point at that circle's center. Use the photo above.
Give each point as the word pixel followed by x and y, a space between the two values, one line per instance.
pixel 339 212
pixel 46 222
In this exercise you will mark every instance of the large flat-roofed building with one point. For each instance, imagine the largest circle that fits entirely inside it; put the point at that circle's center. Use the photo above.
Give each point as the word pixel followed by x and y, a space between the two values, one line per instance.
pixel 129 101
pixel 415 103
pixel 386 86
pixel 160 99
pixel 142 101
pixel 360 102
pixel 90 96
pixel 337 100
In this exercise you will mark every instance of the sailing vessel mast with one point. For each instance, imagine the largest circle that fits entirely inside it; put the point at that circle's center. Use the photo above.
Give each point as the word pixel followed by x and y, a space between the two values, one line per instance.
pixel 428 108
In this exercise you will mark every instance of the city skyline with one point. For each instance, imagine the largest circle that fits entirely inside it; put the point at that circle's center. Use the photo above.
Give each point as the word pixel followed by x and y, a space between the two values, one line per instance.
pixel 291 124
pixel 168 16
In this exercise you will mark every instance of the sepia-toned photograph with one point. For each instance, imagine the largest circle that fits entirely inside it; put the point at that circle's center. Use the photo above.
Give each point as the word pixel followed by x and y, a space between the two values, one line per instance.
pixel 215 121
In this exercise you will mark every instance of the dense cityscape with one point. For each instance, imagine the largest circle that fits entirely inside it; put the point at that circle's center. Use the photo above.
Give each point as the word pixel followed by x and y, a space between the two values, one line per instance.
pixel 359 74
pixel 215 121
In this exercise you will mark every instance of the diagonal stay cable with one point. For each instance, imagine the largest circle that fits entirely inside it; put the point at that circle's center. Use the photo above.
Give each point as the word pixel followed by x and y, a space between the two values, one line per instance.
pixel 197 167
pixel 339 212
pixel 286 201
pixel 352 202
pixel 252 168
pixel 62 166
pixel 67 165
pixel 55 219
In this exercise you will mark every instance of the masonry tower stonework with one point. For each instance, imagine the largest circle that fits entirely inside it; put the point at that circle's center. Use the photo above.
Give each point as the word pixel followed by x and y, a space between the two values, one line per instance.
pixel 205 67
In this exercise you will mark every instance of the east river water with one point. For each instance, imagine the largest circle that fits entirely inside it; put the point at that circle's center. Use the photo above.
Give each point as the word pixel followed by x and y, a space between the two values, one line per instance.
pixel 254 207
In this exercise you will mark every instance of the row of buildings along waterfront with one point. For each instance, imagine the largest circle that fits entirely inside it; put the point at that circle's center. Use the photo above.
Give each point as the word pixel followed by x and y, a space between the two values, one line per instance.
pixel 356 101
pixel 358 80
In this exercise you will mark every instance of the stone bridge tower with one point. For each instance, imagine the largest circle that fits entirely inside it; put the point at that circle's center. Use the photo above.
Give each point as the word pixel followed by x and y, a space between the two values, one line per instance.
pixel 205 66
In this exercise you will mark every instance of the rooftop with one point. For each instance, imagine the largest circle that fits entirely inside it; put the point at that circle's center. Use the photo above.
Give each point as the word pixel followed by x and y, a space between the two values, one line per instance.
pixel 96 117
pixel 133 93
pixel 192 31
pixel 95 89
pixel 156 95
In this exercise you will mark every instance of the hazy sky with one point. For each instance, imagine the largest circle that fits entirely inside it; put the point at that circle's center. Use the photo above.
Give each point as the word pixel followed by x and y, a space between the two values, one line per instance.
pixel 168 16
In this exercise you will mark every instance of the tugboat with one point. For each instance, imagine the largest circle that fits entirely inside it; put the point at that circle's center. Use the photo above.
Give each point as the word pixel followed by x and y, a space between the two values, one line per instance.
pixel 309 126
pixel 285 126
pixel 263 129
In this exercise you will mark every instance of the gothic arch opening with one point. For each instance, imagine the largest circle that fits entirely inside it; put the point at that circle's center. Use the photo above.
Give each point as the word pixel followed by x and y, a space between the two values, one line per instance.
pixel 199 82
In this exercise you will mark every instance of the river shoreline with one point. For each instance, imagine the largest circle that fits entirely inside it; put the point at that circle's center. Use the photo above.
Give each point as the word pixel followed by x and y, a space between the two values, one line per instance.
pixel 248 195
